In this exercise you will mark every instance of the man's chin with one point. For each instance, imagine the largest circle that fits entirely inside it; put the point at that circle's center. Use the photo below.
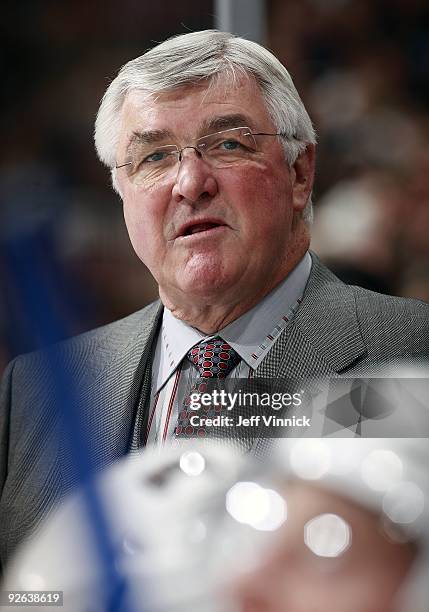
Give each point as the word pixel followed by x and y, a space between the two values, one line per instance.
pixel 206 286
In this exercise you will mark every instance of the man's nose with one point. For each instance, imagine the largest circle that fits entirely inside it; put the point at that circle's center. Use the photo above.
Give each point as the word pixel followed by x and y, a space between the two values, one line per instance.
pixel 195 179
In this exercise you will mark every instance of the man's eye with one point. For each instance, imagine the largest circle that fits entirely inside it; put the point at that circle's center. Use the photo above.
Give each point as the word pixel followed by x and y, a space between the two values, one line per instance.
pixel 230 145
pixel 156 156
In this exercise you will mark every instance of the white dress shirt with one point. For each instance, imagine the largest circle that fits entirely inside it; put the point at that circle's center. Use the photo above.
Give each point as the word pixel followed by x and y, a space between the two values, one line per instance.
pixel 252 335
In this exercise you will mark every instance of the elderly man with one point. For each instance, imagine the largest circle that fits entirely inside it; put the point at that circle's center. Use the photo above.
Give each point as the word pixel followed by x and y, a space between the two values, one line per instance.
pixel 212 153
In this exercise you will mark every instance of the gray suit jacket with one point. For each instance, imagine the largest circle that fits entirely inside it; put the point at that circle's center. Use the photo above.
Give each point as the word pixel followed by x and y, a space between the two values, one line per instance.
pixel 338 330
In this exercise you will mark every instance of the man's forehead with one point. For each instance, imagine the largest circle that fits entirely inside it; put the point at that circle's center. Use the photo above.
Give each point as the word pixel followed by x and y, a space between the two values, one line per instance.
pixel 144 110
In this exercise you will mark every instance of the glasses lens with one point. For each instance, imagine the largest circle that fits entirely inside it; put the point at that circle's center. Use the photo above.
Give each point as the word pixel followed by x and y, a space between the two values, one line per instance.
pixel 150 164
pixel 228 147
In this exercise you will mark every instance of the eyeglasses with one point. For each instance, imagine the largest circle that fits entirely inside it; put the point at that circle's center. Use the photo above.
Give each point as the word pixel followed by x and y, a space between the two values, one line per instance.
pixel 148 164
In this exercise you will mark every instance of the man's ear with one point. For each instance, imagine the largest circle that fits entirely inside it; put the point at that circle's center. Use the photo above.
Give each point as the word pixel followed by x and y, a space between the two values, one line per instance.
pixel 302 176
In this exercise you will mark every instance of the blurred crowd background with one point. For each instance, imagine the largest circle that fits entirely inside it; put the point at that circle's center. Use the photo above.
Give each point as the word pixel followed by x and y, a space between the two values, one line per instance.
pixel 362 68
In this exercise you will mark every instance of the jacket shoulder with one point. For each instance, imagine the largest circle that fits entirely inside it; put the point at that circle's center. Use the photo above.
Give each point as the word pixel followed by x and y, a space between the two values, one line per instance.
pixel 399 324
pixel 122 327
pixel 81 353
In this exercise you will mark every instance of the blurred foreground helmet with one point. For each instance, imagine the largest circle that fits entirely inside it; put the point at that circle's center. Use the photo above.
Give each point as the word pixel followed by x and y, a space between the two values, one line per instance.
pixel 164 513
pixel 188 526
pixel 386 478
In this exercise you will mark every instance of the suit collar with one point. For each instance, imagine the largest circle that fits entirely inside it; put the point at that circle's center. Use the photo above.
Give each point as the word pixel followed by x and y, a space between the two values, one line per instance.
pixel 324 338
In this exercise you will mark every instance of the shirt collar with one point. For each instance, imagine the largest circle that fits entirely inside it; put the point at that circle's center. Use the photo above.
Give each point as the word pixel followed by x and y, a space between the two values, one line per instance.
pixel 251 335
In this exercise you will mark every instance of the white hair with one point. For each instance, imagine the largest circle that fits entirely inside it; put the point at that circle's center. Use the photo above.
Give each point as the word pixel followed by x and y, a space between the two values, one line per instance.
pixel 188 59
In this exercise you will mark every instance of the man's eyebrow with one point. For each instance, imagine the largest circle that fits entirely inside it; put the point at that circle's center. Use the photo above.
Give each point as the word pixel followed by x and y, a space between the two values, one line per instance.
pixel 225 122
pixel 216 124
pixel 148 137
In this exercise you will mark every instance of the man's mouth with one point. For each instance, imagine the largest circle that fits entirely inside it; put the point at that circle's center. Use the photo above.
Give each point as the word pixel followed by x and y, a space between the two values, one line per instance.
pixel 198 227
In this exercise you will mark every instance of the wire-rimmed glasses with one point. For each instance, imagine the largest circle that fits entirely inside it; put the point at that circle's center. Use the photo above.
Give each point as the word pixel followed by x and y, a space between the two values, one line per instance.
pixel 149 163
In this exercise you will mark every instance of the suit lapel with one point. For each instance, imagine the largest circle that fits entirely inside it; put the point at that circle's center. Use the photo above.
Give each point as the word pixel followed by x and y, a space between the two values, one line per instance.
pixel 109 395
pixel 324 338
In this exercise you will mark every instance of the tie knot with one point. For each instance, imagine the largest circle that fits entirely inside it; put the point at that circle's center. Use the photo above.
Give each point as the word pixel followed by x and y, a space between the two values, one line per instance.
pixel 213 358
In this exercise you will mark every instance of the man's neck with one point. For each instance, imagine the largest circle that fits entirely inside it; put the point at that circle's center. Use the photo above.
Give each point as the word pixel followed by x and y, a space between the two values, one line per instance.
pixel 209 318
